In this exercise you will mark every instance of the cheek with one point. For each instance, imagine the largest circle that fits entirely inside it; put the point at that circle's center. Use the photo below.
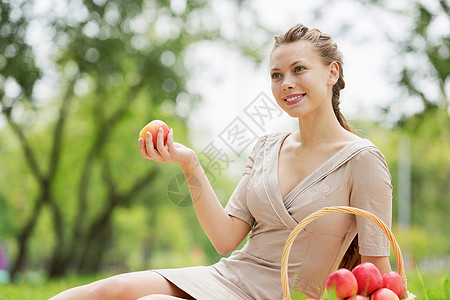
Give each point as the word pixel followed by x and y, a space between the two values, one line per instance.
pixel 275 89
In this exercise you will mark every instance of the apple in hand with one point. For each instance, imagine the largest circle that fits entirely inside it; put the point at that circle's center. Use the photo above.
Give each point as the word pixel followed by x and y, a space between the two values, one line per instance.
pixel 343 282
pixel 368 277
pixel 394 282
pixel 384 294
pixel 153 127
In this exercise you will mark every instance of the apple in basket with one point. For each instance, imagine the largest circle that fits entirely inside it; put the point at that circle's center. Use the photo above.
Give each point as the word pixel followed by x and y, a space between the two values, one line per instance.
pixel 343 282
pixel 153 127
pixel 394 282
pixel 358 297
pixel 384 294
pixel 369 278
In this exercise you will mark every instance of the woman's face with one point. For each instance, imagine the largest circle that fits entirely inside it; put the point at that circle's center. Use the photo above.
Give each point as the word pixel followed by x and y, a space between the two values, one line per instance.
pixel 301 83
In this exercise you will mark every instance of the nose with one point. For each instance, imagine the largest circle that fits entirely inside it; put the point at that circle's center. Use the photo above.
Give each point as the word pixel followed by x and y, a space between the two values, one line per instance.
pixel 288 83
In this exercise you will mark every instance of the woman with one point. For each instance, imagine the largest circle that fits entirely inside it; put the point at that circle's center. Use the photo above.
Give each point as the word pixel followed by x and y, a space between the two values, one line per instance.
pixel 287 177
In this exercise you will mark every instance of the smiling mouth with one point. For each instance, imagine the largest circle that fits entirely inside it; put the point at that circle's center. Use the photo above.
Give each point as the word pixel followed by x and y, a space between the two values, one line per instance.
pixel 294 97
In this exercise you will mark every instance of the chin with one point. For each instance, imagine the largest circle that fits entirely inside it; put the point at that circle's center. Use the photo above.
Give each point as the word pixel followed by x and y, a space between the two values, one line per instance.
pixel 295 113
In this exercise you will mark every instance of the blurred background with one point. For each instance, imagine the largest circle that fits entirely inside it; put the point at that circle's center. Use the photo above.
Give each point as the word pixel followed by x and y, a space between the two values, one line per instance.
pixel 79 79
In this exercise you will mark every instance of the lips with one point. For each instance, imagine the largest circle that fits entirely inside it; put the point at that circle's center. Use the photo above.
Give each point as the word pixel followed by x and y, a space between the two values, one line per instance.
pixel 294 98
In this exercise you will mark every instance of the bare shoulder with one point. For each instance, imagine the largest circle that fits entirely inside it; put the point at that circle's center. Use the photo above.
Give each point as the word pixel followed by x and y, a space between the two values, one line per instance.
pixel 350 137
pixel 344 140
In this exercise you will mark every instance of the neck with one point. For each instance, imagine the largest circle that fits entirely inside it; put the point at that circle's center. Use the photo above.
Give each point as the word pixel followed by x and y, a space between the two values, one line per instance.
pixel 316 129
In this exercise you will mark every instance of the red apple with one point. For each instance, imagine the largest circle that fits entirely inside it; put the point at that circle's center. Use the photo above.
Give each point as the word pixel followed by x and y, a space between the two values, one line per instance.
pixel 384 294
pixel 343 282
pixel 153 127
pixel 358 297
pixel 394 282
pixel 369 278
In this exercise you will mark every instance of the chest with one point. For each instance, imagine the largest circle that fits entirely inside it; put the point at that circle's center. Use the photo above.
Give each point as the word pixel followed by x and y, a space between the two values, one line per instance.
pixel 294 168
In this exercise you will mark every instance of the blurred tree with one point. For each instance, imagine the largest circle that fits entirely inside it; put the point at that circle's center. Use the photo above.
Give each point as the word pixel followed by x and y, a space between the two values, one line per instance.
pixel 424 60
pixel 427 43
pixel 112 66
pixel 425 76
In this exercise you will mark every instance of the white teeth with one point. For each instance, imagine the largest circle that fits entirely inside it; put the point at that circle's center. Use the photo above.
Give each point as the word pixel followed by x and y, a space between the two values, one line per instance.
pixel 293 98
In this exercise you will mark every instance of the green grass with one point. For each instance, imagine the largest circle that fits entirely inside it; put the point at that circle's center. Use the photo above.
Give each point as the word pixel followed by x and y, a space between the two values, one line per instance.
pixel 426 286
pixel 35 286
pixel 430 286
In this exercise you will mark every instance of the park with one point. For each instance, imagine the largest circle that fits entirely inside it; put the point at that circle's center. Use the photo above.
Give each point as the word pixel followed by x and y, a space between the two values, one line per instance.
pixel 79 80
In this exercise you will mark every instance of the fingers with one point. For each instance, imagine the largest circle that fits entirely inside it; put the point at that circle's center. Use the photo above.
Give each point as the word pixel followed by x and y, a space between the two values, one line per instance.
pixel 146 148
pixel 162 152
pixel 170 144
pixel 160 144
pixel 142 148
pixel 154 153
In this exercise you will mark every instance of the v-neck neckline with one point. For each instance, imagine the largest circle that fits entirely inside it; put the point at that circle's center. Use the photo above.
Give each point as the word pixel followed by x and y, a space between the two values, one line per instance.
pixel 313 173
pixel 271 152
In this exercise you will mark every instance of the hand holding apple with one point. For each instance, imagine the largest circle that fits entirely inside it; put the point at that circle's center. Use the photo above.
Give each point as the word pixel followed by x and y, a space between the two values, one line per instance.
pixel 153 127
pixel 155 144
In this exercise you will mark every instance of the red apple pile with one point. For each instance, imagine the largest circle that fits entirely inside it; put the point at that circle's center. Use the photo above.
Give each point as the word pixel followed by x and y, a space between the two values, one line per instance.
pixel 365 282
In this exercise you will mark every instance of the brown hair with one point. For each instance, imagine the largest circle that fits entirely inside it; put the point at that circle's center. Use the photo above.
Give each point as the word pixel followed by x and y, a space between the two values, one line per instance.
pixel 329 52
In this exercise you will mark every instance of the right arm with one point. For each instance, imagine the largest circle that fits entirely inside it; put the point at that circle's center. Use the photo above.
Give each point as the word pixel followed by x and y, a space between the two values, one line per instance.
pixel 224 231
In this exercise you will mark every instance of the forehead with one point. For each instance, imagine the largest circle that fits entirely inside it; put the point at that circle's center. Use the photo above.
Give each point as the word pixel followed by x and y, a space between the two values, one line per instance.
pixel 286 54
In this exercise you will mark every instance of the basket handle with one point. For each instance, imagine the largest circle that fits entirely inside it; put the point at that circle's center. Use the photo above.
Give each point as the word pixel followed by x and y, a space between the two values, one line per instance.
pixel 327 211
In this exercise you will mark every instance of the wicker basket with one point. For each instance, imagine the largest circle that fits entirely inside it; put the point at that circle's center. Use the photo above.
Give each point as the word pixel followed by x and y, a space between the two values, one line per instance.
pixel 332 210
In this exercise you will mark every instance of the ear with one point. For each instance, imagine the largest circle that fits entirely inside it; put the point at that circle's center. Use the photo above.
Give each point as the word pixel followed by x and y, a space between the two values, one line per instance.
pixel 333 73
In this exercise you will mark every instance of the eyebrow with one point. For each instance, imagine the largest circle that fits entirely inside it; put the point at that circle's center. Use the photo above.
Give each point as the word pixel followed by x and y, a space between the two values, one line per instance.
pixel 291 65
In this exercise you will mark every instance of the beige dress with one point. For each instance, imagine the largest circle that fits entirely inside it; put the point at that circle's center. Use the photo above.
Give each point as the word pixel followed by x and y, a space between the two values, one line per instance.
pixel 357 175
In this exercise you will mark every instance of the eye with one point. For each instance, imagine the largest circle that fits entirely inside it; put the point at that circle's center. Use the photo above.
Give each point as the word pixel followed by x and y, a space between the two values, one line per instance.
pixel 275 75
pixel 298 69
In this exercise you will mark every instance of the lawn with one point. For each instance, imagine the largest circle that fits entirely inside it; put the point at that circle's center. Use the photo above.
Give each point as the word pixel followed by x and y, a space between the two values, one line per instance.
pixel 426 286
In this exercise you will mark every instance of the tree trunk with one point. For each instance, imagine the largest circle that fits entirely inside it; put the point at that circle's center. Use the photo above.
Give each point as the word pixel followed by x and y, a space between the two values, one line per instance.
pixel 59 262
pixel 97 240
pixel 24 236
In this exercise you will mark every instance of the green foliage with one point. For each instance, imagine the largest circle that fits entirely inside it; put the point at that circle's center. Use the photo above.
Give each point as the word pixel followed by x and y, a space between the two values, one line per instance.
pixel 7 219
pixel 429 135
pixel 74 187
pixel 71 170
pixel 16 59
pixel 419 243
pixel 423 44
